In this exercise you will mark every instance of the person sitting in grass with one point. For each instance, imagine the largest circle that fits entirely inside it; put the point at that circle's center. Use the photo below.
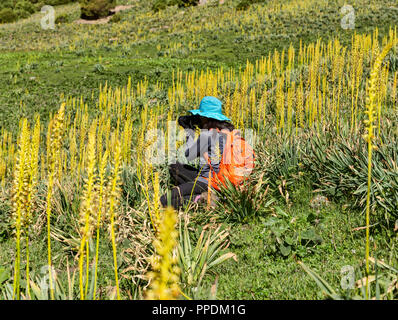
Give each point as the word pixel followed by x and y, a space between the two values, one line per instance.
pixel 211 146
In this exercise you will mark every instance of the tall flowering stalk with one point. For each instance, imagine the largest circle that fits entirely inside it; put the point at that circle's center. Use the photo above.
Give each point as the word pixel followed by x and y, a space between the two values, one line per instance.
pixel 19 198
pixel 32 181
pixel 54 139
pixel 164 276
pixel 113 200
pixel 102 169
pixel 369 137
pixel 87 207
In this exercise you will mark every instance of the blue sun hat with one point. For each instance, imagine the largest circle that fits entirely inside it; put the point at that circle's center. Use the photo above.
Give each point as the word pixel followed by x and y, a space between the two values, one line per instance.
pixel 210 107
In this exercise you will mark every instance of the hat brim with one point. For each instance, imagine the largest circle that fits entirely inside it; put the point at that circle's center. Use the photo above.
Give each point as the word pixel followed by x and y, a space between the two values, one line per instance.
pixel 211 115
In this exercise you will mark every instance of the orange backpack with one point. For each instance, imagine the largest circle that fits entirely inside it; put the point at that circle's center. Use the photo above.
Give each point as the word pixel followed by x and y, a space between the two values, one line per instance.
pixel 237 161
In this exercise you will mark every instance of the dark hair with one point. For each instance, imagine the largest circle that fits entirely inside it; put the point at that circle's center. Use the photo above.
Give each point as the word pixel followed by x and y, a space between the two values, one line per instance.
pixel 209 123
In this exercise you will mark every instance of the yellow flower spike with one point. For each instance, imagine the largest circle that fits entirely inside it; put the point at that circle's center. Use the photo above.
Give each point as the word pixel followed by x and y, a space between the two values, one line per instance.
pixel 164 275
pixel 100 190
pixel 114 191
pixel 87 204
pixel 33 155
pixel 19 200
pixel 370 105
pixel 54 143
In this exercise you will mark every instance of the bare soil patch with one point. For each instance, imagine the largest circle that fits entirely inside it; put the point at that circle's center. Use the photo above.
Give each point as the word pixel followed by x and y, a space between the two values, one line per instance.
pixel 106 19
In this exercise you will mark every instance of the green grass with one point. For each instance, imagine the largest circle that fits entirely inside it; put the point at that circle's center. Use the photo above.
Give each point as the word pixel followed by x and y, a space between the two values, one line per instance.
pixel 260 274
pixel 262 270
pixel 37 66
pixel 38 79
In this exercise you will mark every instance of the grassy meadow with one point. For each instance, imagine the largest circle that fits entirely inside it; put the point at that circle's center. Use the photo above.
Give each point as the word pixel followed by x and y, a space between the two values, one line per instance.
pixel 79 209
